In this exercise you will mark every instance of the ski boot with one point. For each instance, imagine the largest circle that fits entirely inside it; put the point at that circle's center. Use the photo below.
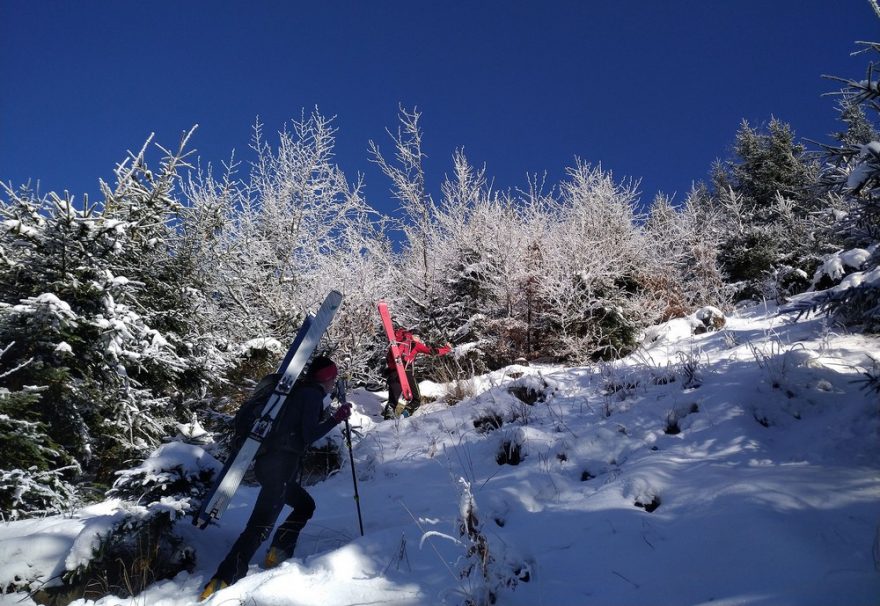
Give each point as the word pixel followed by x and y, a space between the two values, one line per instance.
pixel 274 557
pixel 213 586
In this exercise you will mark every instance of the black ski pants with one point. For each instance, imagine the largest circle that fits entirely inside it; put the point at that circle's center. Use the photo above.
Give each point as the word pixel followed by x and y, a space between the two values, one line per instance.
pixel 277 475
pixel 395 389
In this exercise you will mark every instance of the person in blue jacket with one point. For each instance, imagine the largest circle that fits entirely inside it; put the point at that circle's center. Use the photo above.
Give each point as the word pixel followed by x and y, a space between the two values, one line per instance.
pixel 276 469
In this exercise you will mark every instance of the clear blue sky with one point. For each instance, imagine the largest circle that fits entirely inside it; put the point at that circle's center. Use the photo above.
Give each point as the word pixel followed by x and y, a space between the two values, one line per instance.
pixel 650 89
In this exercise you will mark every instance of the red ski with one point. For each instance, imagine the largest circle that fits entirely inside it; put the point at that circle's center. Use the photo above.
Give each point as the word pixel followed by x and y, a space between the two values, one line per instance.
pixel 405 391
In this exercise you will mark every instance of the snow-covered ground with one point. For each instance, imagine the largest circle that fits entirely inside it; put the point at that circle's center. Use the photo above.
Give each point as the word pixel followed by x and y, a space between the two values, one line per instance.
pixel 733 467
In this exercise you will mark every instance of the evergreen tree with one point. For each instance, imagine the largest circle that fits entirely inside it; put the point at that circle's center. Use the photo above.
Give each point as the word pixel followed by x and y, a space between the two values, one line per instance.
pixel 853 173
pixel 96 310
pixel 771 211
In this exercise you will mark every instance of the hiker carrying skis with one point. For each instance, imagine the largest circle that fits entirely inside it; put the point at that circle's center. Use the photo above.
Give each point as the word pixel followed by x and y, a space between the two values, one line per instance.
pixel 276 469
pixel 410 345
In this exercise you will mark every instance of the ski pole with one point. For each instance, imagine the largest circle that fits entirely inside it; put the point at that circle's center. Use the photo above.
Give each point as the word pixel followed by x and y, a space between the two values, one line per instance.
pixel 341 397
pixel 357 498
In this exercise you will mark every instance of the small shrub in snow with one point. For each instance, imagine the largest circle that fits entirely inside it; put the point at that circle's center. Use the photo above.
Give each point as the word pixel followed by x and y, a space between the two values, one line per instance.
pixel 649 503
pixel 488 571
pixel 774 361
pixel 672 427
pixel 137 551
pixel 711 318
pixel 618 382
pixel 138 545
pixel 488 422
pixel 512 450
pixel 178 470
pixel 529 389
pixel 688 370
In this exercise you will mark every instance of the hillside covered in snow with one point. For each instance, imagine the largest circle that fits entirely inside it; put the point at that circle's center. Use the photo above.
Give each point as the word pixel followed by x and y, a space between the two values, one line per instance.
pixel 737 466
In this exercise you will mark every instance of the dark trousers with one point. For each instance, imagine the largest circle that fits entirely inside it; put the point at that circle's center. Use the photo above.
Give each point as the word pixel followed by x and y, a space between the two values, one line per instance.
pixel 394 389
pixel 277 476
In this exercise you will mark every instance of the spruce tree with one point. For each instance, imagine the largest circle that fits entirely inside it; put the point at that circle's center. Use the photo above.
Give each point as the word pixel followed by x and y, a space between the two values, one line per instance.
pixel 96 310
pixel 771 210
pixel 853 173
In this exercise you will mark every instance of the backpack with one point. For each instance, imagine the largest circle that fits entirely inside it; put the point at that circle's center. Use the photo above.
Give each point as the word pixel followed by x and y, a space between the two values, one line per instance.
pixel 251 409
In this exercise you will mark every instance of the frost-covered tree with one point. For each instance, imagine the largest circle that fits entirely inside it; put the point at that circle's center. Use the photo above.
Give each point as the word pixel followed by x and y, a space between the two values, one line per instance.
pixel 469 259
pixel 772 212
pixel 96 309
pixel 269 246
pixel 593 302
pixel 558 274
pixel 418 283
pixel 684 243
pixel 362 269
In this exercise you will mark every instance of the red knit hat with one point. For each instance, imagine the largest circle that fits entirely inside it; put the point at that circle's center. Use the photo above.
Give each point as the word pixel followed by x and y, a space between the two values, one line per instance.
pixel 323 369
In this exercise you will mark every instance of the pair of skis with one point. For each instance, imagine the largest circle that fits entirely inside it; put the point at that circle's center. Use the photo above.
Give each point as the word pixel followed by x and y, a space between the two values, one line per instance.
pixel 405 389
pixel 304 345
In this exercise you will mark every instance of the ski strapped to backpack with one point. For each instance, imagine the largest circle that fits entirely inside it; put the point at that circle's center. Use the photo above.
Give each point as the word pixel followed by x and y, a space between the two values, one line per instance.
pixel 307 339
pixel 405 390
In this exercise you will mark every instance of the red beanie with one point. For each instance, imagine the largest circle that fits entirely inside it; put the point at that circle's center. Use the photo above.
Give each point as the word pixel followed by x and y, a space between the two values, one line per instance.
pixel 323 370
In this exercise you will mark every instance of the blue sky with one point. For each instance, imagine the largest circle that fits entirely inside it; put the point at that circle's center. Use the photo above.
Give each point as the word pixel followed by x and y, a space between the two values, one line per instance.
pixel 651 90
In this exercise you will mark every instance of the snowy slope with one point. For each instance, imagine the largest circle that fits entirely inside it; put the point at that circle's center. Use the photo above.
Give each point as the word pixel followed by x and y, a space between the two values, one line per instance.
pixel 733 467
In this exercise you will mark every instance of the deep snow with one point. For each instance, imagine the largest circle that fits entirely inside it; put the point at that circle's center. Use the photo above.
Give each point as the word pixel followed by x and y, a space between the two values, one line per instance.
pixel 768 494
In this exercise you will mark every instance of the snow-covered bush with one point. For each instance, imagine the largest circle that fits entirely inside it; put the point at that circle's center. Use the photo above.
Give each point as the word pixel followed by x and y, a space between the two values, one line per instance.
pixel 175 470
pixel 123 553
pixel 136 545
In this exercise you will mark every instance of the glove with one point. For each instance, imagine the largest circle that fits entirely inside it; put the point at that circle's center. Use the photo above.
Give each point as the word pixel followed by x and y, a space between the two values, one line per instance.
pixel 342 413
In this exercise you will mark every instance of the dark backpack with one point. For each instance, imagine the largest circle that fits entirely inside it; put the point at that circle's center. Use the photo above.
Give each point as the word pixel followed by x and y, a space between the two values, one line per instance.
pixel 251 409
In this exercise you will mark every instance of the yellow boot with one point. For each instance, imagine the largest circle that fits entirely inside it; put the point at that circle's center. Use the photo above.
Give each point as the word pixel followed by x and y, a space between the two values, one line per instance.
pixel 213 586
pixel 274 557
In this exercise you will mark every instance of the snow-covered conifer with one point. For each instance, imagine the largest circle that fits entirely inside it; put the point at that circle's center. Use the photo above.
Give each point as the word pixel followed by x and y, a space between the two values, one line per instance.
pixel 590 289
pixel 853 172
pixel 771 212
pixel 96 308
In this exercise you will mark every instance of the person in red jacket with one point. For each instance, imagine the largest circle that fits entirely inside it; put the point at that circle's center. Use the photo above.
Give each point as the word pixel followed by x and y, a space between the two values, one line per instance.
pixel 410 346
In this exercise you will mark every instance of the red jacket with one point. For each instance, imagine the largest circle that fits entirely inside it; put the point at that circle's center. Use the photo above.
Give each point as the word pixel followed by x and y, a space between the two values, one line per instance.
pixel 410 346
